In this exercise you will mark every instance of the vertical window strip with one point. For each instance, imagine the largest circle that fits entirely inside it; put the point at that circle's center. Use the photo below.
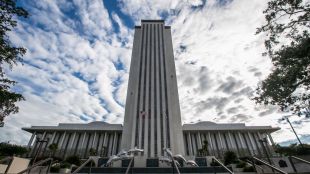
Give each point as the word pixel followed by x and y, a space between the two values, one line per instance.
pixel 160 91
pixel 139 88
pixel 149 92
pixel 166 96
pixel 155 93
pixel 144 87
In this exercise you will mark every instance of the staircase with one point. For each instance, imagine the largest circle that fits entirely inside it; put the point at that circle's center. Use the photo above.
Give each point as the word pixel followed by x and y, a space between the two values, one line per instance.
pixel 151 170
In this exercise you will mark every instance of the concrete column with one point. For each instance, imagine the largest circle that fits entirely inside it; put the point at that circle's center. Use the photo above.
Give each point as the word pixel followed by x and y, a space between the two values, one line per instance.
pixel 203 138
pixel 52 139
pixel 111 144
pixel 199 140
pixel 210 143
pixel 114 144
pixel 267 144
pixel 31 140
pixel 147 96
pixel 104 143
pixel 72 141
pixel 222 147
pixel 233 146
pixel 152 91
pixel 190 146
pixel 43 136
pixel 257 143
pixel 162 89
pixel 252 143
pixel 62 140
pixel 242 143
pixel 94 140
pixel 83 141
pixel 194 143
pixel 271 139
pixel 100 141
pixel 249 143
pixel 158 103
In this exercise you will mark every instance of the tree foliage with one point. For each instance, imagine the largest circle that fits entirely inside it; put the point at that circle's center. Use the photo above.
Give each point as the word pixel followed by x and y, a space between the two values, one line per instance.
pixel 74 160
pixel 293 149
pixel 230 157
pixel 204 151
pixel 288 45
pixel 9 55
pixel 7 149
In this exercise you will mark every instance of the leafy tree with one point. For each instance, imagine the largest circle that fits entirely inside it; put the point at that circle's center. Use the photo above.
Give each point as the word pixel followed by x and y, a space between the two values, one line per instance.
pixel 293 149
pixel 92 152
pixel 9 55
pixel 74 160
pixel 53 148
pixel 7 149
pixel 204 150
pixel 288 45
pixel 230 157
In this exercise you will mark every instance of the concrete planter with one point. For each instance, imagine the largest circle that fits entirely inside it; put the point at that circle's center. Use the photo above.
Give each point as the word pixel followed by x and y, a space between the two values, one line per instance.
pixel 65 170
pixel 237 169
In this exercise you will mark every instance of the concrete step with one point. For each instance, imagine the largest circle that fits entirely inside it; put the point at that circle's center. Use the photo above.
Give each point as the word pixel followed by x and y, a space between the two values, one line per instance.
pixel 150 170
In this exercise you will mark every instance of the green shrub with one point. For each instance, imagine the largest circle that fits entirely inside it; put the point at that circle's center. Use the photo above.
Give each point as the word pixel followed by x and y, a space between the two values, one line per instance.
pixel 74 160
pixel 90 164
pixel 248 169
pixel 241 164
pixel 7 149
pixel 213 163
pixel 230 157
pixel 64 165
pixel 55 168
pixel 92 152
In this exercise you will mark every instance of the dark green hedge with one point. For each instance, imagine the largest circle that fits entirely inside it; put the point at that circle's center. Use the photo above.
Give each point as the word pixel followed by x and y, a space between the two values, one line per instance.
pixel 7 149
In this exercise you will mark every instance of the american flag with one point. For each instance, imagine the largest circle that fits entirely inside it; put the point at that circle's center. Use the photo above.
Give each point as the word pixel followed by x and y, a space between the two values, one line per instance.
pixel 143 114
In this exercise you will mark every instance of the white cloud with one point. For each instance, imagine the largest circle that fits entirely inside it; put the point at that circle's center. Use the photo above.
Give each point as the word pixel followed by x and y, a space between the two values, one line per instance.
pixel 71 67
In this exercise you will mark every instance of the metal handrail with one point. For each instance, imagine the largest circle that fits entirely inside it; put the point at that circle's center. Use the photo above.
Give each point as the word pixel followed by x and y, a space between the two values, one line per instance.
pixel 216 160
pixel 81 166
pixel 35 165
pixel 299 159
pixel 127 170
pixel 271 166
pixel 254 165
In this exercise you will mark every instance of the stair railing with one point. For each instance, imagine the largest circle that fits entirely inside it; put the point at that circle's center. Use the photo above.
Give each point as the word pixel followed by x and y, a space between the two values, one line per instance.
pixel 218 161
pixel 84 164
pixel 298 159
pixel 271 166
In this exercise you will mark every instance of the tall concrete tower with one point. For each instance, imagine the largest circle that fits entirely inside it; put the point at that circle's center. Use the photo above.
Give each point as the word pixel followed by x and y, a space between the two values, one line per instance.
pixel 152 113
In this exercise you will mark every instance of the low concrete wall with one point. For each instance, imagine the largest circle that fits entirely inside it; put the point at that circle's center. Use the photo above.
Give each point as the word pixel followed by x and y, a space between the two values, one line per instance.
pixel 18 164
pixel 3 168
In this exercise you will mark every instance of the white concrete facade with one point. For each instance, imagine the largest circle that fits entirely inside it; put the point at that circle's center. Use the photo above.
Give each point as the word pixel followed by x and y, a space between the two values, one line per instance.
pixel 76 139
pixel 243 140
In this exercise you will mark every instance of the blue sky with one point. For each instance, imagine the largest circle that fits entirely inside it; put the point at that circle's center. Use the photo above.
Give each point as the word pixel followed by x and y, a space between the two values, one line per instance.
pixel 77 64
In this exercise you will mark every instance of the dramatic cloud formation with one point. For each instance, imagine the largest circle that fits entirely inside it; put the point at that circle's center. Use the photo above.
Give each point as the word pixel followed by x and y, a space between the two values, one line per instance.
pixel 77 65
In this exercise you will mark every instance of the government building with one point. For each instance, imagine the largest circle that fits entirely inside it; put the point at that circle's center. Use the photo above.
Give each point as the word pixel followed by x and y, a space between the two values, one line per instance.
pixel 152 118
